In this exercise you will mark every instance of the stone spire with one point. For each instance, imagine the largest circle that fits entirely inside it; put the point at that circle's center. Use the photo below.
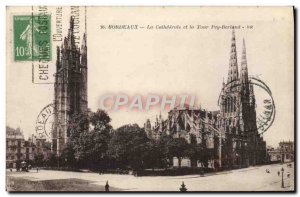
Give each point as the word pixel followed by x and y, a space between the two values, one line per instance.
pixel 244 69
pixel 71 39
pixel 233 73
pixel 244 72
pixel 83 46
pixel 84 73
pixel 84 51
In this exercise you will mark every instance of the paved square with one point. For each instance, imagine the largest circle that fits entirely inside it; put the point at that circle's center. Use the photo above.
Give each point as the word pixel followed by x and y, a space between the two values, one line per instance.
pixel 247 179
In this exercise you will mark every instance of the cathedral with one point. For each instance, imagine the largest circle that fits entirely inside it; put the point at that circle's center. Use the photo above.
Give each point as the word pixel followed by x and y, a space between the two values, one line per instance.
pixel 70 87
pixel 230 133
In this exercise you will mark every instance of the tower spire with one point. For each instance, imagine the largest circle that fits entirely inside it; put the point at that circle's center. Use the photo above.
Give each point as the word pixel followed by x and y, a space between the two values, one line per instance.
pixel 233 73
pixel 84 51
pixel 71 39
pixel 84 43
pixel 244 69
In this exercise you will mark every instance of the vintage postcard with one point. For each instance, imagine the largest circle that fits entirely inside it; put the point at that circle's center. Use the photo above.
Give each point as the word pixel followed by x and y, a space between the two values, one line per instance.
pixel 152 99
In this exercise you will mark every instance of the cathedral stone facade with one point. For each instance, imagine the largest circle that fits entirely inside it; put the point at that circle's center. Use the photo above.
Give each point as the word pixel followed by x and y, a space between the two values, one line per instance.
pixel 230 131
pixel 70 87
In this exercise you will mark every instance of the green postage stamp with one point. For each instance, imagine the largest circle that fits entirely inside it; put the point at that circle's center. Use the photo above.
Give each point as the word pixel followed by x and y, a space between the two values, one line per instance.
pixel 32 37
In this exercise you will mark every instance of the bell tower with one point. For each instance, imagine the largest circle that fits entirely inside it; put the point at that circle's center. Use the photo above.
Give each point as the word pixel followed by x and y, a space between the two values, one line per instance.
pixel 229 99
pixel 70 87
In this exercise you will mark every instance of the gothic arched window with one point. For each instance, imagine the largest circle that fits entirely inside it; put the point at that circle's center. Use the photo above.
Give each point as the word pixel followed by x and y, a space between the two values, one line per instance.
pixel 225 105
pixel 234 104
pixel 230 105
pixel 226 101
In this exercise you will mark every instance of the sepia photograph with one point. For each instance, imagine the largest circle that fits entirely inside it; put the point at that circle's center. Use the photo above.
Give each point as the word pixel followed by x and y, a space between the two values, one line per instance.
pixel 150 99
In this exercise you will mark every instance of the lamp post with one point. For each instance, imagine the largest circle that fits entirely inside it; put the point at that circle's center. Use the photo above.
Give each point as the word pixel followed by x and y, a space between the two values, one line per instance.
pixel 282 183
pixel 220 150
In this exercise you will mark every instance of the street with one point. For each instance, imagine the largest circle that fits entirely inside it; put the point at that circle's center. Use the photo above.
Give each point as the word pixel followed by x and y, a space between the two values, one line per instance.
pixel 246 179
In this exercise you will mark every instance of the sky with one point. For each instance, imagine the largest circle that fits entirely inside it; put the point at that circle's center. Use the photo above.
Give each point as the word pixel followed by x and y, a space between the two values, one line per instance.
pixel 165 62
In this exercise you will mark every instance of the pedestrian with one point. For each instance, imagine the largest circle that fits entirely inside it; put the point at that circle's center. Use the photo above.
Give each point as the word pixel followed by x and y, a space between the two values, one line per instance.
pixel 106 187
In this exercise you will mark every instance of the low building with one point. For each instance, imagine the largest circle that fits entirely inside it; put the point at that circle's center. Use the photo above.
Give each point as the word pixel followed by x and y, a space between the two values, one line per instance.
pixel 283 153
pixel 14 146
pixel 42 147
pixel 18 149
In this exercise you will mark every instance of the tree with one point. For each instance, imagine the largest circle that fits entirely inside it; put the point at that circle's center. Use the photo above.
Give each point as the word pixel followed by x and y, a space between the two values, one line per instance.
pixel 155 157
pixel 194 151
pixel 88 143
pixel 78 124
pixel 52 160
pixel 39 160
pixel 101 122
pixel 68 155
pixel 178 148
pixel 129 147
pixel 164 153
